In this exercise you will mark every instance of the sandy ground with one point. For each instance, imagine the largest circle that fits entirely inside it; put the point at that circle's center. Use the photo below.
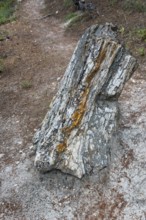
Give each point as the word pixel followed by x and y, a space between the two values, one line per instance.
pixel 38 52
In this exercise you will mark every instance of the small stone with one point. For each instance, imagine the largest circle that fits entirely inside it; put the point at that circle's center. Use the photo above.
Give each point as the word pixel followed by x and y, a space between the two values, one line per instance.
pixel 94 214
pixel 19 142
pixel 32 151
pixel 1 216
pixel 23 156
pixel 31 147
pixel 1 155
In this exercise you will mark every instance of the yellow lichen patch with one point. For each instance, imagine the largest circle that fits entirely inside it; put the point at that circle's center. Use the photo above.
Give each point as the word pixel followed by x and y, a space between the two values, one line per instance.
pixel 61 147
pixel 81 108
pixel 98 63
pixel 79 112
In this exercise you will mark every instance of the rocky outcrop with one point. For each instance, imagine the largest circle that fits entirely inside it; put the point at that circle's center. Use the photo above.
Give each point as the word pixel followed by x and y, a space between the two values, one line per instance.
pixel 79 130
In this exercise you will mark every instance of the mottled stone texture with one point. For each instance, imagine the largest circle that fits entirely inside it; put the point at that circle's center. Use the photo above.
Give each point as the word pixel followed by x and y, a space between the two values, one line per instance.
pixel 79 129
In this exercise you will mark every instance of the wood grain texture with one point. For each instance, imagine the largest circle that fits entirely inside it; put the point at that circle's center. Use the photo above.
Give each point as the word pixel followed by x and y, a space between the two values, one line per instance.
pixel 80 128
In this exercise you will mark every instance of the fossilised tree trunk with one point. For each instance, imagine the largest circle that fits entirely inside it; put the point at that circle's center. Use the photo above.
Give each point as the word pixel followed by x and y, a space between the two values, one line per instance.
pixel 78 131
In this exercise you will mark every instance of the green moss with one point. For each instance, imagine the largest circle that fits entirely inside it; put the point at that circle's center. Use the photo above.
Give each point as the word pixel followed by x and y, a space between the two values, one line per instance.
pixel 7 8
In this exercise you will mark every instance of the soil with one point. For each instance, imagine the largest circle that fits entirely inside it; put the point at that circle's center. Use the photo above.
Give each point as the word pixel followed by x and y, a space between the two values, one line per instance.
pixel 36 52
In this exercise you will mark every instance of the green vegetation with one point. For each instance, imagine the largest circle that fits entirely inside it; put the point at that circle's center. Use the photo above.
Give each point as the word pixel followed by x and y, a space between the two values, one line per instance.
pixel 122 30
pixel 71 16
pixel 113 2
pixel 142 33
pixel 3 35
pixel 74 19
pixel 1 66
pixel 26 84
pixel 7 8
pixel 67 3
pixel 141 51
pixel 135 5
pixel 135 40
pixel 130 5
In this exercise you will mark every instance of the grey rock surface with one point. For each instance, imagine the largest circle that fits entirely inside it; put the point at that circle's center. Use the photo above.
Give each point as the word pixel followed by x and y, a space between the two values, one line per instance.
pixel 79 131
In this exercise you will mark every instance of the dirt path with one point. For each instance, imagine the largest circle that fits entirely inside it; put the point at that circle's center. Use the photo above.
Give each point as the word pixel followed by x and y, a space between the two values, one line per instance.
pixel 37 54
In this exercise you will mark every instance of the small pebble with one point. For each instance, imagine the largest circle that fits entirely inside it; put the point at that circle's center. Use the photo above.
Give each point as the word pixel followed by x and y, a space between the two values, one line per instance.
pixel 1 155
pixel 31 147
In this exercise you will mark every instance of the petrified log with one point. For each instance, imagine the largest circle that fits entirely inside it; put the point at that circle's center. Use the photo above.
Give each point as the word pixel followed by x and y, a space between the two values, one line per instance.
pixel 79 129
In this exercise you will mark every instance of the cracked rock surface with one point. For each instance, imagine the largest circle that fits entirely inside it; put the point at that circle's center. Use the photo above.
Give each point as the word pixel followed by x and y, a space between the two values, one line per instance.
pixel 79 131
